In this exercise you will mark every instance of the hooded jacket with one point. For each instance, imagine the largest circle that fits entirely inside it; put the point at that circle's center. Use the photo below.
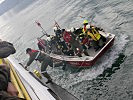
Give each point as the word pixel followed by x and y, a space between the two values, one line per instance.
pixel 6 49
pixel 4 77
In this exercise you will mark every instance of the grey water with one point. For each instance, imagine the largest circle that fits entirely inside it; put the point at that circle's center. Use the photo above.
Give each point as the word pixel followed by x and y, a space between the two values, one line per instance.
pixel 111 78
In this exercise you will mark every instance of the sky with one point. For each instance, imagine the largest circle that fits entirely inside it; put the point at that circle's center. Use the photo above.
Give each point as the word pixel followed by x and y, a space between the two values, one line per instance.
pixel 1 1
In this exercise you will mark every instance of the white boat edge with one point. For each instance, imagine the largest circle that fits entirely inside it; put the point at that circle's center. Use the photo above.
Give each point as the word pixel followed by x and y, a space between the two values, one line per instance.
pixel 35 89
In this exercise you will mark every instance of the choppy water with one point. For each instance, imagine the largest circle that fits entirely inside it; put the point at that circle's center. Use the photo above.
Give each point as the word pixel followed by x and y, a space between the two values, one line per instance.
pixel 111 77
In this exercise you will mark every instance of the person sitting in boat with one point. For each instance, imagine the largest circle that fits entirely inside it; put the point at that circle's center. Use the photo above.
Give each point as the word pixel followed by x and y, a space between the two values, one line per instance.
pixel 85 23
pixel 95 38
pixel 42 43
pixel 69 37
pixel 44 59
pixel 70 40
pixel 52 44
pixel 69 51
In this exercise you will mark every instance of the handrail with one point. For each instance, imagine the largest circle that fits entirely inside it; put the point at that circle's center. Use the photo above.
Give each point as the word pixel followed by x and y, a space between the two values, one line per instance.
pixel 15 83
pixel 19 82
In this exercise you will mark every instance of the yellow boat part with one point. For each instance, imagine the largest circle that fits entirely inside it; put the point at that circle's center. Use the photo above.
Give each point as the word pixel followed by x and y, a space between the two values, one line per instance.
pixel 16 81
pixel 25 93
pixel 37 73
pixel 1 62
pixel 13 80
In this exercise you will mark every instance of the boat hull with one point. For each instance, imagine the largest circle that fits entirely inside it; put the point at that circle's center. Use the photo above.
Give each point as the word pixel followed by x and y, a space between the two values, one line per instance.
pixel 89 63
pixel 85 61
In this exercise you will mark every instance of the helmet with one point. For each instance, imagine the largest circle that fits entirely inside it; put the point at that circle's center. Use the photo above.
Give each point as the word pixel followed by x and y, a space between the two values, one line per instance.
pixel 55 28
pixel 48 39
pixel 72 29
pixel 85 22
pixel 87 26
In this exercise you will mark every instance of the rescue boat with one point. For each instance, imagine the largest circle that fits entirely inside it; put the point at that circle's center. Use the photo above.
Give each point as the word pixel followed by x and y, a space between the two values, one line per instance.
pixel 86 61
pixel 76 61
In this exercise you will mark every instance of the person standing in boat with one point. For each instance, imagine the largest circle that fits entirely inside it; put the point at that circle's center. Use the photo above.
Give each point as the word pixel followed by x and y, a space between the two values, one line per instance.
pixel 44 59
pixel 83 34
pixel 59 38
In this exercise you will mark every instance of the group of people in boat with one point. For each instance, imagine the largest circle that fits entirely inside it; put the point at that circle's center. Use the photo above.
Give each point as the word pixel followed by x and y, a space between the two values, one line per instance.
pixel 74 41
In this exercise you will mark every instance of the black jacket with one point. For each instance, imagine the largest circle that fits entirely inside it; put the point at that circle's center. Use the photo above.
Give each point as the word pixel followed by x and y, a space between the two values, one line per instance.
pixel 6 49
pixel 4 77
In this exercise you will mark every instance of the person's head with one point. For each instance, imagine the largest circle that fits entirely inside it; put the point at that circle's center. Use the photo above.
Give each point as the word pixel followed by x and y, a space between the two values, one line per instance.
pixel 87 26
pixel 62 31
pixel 85 22
pixel 55 29
pixel 28 50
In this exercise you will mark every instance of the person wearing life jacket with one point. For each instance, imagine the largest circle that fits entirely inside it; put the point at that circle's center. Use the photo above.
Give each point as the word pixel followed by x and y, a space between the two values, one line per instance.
pixel 85 23
pixel 69 37
pixel 95 38
pixel 44 59
pixel 83 34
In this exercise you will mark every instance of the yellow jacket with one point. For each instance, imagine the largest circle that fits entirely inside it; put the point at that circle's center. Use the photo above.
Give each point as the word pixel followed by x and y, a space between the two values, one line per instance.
pixel 94 34
pixel 84 31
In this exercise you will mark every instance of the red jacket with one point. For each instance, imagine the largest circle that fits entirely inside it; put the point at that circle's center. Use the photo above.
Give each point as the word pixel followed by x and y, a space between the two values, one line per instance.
pixel 67 36
pixel 41 44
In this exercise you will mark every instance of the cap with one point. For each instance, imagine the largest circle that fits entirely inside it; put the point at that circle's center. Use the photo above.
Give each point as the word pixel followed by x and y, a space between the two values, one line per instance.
pixel 28 49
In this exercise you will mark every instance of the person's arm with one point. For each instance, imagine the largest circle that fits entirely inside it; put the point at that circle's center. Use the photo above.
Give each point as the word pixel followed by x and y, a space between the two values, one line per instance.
pixel 31 59
pixel 11 89
pixel 5 82
pixel 4 77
